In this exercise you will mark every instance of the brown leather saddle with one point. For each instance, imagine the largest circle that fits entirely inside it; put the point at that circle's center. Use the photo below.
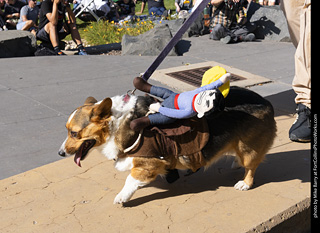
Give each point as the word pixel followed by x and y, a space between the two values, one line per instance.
pixel 185 137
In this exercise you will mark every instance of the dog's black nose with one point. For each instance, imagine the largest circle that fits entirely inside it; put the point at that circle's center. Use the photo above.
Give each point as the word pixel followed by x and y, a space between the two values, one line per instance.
pixel 62 153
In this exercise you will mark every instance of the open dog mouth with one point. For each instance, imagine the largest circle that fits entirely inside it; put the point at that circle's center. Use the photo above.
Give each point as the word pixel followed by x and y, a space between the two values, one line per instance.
pixel 126 98
pixel 83 151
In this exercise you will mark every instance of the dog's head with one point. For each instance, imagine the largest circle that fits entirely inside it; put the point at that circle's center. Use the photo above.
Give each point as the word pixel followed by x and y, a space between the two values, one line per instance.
pixel 87 127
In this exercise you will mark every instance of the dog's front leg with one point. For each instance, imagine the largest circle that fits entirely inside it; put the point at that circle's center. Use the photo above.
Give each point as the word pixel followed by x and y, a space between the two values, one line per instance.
pixel 130 187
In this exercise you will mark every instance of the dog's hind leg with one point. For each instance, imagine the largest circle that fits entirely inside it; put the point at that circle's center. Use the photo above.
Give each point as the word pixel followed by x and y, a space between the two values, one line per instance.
pixel 250 160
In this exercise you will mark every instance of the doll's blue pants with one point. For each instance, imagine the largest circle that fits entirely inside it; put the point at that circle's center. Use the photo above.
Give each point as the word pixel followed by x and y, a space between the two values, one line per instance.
pixel 168 101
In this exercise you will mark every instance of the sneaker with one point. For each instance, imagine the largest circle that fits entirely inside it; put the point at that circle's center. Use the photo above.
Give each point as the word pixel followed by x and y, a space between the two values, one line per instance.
pixel 60 53
pixel 82 52
pixel 300 130
pixel 249 37
pixel 226 40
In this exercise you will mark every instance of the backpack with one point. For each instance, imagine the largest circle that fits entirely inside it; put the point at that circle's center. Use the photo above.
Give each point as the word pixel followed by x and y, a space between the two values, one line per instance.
pixel 44 51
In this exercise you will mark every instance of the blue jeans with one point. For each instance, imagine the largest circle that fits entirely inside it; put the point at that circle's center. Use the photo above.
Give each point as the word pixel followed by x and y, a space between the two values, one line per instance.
pixel 168 101
pixel 156 11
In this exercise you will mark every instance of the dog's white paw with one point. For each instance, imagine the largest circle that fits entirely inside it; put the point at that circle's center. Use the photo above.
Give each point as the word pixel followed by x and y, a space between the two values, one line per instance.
pixel 241 185
pixel 122 198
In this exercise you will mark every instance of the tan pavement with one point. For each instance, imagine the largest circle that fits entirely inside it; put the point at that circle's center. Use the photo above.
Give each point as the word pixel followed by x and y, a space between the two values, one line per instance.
pixel 60 197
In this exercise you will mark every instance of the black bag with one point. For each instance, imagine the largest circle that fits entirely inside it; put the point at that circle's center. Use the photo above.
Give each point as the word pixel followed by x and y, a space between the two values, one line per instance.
pixel 44 51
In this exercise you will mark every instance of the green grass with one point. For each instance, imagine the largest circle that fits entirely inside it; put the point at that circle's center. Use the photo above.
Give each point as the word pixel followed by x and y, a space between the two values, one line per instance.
pixel 104 32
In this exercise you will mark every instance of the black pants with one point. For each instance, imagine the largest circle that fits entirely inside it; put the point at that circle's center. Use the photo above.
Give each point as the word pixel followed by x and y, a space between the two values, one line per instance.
pixel 45 37
pixel 2 22
pixel 235 33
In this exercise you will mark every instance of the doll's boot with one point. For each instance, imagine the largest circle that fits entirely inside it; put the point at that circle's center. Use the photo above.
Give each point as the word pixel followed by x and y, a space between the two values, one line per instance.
pixel 140 123
pixel 142 85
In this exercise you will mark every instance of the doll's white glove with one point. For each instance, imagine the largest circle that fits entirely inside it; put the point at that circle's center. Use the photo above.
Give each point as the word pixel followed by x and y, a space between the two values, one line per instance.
pixel 225 78
pixel 155 107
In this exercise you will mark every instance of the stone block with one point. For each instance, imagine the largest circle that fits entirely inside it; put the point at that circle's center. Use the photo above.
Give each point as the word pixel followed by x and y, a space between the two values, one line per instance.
pixel 150 43
pixel 271 22
pixel 16 43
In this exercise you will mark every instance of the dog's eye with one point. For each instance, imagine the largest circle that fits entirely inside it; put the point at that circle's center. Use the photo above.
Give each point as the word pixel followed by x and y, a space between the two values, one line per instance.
pixel 74 134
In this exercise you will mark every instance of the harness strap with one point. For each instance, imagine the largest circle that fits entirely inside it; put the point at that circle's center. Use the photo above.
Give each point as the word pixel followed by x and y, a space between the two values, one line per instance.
pixel 139 136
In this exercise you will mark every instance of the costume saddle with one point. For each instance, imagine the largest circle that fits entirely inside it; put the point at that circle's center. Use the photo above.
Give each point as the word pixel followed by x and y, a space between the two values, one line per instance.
pixel 180 141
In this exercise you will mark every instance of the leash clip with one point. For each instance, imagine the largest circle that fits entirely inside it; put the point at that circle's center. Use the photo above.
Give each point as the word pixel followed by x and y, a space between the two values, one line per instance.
pixel 131 92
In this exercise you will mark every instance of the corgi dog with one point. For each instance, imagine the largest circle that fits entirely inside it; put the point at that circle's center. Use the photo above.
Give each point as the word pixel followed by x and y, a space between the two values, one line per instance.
pixel 245 127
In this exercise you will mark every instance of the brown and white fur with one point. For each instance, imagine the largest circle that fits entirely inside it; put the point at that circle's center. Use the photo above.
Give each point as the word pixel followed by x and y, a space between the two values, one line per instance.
pixel 246 127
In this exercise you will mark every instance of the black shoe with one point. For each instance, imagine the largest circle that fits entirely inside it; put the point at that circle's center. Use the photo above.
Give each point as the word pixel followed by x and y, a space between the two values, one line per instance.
pixel 300 131
pixel 172 176
pixel 60 53
pixel 249 37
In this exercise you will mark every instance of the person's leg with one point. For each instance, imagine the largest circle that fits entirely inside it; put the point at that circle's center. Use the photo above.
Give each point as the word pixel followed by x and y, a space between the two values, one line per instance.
pixel 244 33
pixel 298 17
pixel 20 25
pixel 27 25
pixel 302 80
pixel 51 30
pixel 160 11
pixel 218 32
pixel 153 11
pixel 291 10
pixel 72 28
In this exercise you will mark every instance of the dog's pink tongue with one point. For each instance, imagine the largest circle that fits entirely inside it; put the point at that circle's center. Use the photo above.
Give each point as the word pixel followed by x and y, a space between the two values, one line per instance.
pixel 77 159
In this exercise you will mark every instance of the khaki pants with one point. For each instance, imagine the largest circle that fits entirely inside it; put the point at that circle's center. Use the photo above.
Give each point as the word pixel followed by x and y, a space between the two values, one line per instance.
pixel 298 14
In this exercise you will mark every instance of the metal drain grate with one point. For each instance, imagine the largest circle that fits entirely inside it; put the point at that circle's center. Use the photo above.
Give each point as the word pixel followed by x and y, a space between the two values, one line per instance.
pixel 194 76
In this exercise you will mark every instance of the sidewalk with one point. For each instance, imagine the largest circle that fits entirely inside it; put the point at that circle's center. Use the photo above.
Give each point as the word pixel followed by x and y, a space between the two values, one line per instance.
pixel 40 93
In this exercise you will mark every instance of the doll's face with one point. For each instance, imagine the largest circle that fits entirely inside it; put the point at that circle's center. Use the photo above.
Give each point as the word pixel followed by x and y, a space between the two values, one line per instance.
pixel 204 102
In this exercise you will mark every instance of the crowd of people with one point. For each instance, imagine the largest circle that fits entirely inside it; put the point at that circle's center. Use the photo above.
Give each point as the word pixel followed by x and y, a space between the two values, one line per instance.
pixel 51 20
pixel 225 14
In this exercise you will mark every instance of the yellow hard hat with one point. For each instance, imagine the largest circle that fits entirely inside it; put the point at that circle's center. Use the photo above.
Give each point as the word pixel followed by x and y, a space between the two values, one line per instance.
pixel 214 74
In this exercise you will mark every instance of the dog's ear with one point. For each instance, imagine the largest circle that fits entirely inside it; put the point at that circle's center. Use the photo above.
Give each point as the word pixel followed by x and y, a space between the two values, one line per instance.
pixel 90 100
pixel 103 109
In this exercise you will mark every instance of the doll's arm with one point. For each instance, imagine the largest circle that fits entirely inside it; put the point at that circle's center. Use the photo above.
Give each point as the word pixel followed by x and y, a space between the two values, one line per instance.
pixel 224 78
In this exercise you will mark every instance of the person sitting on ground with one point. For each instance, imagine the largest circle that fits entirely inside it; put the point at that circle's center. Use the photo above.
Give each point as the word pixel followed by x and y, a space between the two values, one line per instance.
pixel 102 6
pixel 29 17
pixel 183 5
pixel 224 24
pixel 125 9
pixel 155 8
pixel 199 102
pixel 3 26
pixel 52 28
pixel 12 12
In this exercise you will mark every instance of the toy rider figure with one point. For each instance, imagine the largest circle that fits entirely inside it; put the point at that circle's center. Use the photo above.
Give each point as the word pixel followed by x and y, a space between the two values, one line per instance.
pixel 201 101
